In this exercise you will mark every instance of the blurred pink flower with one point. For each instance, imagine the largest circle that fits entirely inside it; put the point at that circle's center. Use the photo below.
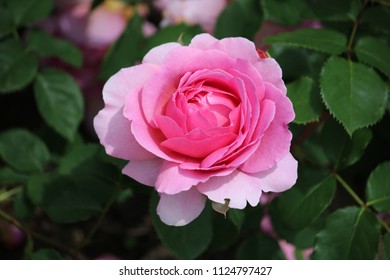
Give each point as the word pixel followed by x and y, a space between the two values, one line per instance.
pixel 93 31
pixel 204 120
pixel 202 12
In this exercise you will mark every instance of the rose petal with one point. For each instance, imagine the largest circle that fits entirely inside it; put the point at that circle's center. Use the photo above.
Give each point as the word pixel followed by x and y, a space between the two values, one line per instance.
pixel 281 177
pixel 271 73
pixel 182 208
pixel 110 125
pixel 158 54
pixel 275 143
pixel 144 171
pixel 238 187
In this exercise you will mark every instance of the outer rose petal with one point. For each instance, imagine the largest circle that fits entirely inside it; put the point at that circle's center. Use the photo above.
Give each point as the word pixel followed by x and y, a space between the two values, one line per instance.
pixel 281 177
pixel 144 171
pixel 112 128
pixel 157 54
pixel 275 143
pixel 240 187
pixel 182 208
pixel 271 72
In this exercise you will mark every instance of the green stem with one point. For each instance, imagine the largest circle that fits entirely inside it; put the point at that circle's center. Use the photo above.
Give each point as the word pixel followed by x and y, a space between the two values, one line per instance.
pixel 8 194
pixel 349 190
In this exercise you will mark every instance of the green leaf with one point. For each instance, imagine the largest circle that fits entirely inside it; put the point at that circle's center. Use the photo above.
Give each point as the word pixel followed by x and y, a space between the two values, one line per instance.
pixel 375 53
pixel 125 51
pixel 45 254
pixel 239 18
pixel 59 101
pixel 237 216
pixel 225 233
pixel 50 46
pixel 188 241
pixel 6 23
pixel 22 207
pixel 386 241
pixel 307 104
pixel 23 150
pixel 36 188
pixel 353 93
pixel 65 202
pixel 171 34
pixel 76 155
pixel 10 176
pixel 302 238
pixel 302 205
pixel 17 67
pixel 378 188
pixel 259 247
pixel 286 12
pixel 377 16
pixel 349 233
pixel 332 10
pixel 341 149
pixel 323 40
pixel 29 11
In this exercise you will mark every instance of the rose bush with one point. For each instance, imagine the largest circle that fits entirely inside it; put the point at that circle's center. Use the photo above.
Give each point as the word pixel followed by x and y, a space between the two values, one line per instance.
pixel 207 120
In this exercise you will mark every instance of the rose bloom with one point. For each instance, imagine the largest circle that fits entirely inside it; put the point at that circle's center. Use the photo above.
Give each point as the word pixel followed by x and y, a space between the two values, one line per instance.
pixel 208 120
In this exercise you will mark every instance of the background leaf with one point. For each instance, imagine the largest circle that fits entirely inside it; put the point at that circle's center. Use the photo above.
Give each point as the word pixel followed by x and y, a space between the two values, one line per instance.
pixel 323 40
pixel 386 241
pixel 65 202
pixel 29 11
pixel 286 12
pixel 341 149
pixel 350 233
pixel 378 188
pixel 59 101
pixel 17 67
pixel 353 93
pixel 259 247
pixel 307 104
pixel 47 45
pixel 23 150
pixel 374 53
pixel 303 204
pixel 239 18
pixel 188 241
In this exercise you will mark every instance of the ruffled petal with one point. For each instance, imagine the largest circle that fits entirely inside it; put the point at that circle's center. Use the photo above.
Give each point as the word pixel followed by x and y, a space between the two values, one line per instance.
pixel 238 187
pixel 112 128
pixel 144 171
pixel 275 143
pixel 181 208
pixel 281 177
pixel 158 54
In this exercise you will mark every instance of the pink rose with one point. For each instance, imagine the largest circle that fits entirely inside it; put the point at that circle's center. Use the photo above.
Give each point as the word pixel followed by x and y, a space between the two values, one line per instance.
pixel 204 120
